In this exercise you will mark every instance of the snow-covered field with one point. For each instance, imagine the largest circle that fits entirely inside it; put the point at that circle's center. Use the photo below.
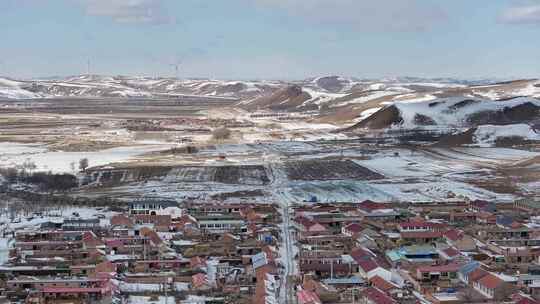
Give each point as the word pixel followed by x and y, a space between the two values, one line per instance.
pixel 486 135
pixel 15 154
pixel 151 300
pixel 56 216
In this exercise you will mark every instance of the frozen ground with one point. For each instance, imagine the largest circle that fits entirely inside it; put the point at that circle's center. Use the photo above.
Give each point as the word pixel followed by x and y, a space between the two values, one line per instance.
pixel 421 174
pixel 15 154
pixel 4 250
pixel 53 215
pixel 487 135
pixel 151 300
pixel 437 161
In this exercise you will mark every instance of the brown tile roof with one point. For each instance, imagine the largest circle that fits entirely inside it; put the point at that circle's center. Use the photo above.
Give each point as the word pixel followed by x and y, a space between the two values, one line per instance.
pixel 197 262
pixel 121 220
pixel 90 240
pixel 477 274
pixel 491 281
pixel 354 228
pixel 451 252
pixel 440 268
pixel 421 224
pixel 421 234
pixel 453 234
pixel 158 220
pixel 152 235
pixel 382 284
pixel 307 297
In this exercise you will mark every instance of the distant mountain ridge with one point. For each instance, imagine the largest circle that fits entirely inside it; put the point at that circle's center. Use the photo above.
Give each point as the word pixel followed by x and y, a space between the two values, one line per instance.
pixel 359 103
pixel 125 86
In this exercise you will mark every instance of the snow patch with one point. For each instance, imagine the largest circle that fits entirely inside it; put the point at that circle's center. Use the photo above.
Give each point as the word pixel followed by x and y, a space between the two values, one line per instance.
pixel 487 135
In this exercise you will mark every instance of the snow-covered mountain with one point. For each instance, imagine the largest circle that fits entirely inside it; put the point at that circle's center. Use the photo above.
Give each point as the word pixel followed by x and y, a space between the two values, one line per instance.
pixel 455 121
pixel 453 112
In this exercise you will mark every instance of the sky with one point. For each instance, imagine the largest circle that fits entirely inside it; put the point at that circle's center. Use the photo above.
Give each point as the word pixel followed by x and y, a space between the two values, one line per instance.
pixel 271 39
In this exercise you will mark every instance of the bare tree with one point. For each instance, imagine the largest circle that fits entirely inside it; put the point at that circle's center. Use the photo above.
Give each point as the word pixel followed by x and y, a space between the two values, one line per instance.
pixel 221 133
pixel 11 174
pixel 29 165
pixel 83 164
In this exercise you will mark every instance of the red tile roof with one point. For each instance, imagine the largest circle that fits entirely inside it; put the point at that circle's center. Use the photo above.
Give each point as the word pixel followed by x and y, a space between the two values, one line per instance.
pixel 90 240
pixel 453 234
pixel 371 206
pixel 307 297
pixel 354 228
pixel 316 227
pixel 523 299
pixel 368 265
pixel 377 296
pixel 199 280
pixel 359 254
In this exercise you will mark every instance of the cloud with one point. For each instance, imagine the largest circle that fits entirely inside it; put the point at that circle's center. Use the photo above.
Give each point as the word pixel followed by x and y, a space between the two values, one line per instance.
pixel 367 15
pixel 128 11
pixel 524 14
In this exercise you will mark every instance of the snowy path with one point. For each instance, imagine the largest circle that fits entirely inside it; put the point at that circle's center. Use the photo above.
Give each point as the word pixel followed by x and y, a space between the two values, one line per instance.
pixel 288 248
pixel 4 250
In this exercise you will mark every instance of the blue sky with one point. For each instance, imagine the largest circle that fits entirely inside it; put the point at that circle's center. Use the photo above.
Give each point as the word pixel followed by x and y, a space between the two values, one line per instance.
pixel 287 39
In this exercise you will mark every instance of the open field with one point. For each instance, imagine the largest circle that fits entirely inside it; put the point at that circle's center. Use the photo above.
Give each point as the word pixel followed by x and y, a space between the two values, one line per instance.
pixel 166 147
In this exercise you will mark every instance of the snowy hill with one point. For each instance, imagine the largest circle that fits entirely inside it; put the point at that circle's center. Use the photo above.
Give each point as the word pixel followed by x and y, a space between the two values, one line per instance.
pixel 337 99
pixel 322 90
pixel 120 86
pixel 453 112
pixel 13 89
pixel 490 135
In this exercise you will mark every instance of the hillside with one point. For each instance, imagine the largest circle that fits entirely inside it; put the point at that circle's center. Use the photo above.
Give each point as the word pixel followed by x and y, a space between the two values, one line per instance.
pixel 359 103
pixel 131 87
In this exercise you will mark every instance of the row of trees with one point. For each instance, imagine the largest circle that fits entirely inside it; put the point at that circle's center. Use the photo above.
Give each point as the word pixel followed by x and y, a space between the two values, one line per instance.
pixel 46 181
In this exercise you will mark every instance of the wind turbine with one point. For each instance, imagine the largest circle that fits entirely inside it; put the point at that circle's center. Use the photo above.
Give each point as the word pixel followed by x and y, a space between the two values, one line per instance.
pixel 176 69
pixel 88 67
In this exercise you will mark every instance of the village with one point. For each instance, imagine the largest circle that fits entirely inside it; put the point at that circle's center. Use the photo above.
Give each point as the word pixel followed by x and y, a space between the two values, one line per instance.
pixel 163 251
pixel 269 152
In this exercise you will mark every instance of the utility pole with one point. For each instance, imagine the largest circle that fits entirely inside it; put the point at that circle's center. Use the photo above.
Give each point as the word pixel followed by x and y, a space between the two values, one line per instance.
pixel 331 268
